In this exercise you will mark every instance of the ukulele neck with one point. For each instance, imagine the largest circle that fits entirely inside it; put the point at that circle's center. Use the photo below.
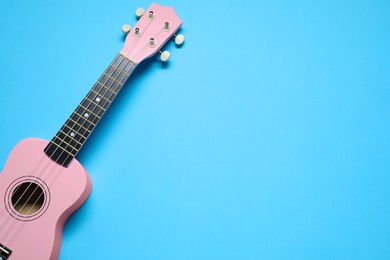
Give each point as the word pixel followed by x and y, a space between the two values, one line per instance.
pixel 71 137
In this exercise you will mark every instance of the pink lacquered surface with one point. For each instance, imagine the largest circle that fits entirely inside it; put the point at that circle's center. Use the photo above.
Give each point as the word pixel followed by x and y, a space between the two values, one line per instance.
pixel 40 239
pixel 137 47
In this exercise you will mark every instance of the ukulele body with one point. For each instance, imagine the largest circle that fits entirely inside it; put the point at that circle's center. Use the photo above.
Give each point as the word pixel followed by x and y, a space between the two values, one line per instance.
pixel 42 183
pixel 31 223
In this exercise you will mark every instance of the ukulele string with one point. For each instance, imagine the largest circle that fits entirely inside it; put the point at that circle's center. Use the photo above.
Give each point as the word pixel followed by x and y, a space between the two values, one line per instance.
pixel 108 88
pixel 88 107
pixel 4 209
pixel 40 174
pixel 53 175
pixel 77 121
pixel 66 146
pixel 39 163
pixel 80 116
pixel 121 83
pixel 46 167
pixel 91 109
pixel 8 229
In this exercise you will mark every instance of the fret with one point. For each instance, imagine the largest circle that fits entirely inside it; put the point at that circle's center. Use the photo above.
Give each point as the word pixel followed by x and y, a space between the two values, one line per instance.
pixel 109 83
pixel 62 141
pixel 114 73
pixel 81 127
pixel 94 103
pixel 86 103
pixel 103 91
pixel 77 136
pixel 69 140
pixel 128 66
pixel 104 86
pixel 84 125
pixel 95 112
pixel 83 116
pixel 100 95
pixel 118 69
pixel 71 137
pixel 119 83
pixel 67 135
pixel 62 148
pixel 120 62
pixel 125 65
pixel 57 154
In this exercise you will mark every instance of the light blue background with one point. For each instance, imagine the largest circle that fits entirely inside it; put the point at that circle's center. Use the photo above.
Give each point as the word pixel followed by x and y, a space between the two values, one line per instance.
pixel 265 137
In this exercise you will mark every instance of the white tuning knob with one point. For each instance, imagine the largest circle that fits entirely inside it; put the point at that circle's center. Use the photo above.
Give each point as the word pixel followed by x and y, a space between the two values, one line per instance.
pixel 126 28
pixel 165 56
pixel 179 39
pixel 139 12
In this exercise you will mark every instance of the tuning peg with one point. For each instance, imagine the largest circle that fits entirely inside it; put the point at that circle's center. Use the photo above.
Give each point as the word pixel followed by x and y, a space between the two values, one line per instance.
pixel 139 12
pixel 165 56
pixel 126 28
pixel 179 39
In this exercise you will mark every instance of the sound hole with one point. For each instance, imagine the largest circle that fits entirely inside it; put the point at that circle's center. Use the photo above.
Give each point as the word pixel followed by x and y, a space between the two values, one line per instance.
pixel 28 198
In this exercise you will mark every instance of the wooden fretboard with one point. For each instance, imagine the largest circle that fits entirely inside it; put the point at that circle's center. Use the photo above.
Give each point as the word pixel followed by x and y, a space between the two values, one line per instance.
pixel 76 130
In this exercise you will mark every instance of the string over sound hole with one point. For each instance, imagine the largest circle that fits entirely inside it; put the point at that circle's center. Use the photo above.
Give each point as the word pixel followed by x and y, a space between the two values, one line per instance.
pixel 28 198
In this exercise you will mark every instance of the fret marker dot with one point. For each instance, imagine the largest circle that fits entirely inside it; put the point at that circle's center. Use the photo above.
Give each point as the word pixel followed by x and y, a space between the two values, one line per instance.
pixel 86 115
pixel 97 99
pixel 72 134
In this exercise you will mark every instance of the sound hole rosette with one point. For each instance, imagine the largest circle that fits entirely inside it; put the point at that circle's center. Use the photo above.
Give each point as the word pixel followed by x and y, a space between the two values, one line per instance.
pixel 14 190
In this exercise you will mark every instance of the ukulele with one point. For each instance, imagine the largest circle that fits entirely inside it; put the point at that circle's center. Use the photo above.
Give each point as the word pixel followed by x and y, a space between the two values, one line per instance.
pixel 42 183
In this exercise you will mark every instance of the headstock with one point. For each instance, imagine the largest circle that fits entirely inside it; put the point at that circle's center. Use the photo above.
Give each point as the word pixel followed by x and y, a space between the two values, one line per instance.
pixel 156 26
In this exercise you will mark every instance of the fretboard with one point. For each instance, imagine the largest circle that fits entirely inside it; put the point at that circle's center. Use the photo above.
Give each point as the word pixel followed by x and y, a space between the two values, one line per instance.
pixel 76 130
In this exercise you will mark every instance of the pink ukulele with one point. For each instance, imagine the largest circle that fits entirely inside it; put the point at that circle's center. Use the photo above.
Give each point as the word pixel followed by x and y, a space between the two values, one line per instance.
pixel 42 183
